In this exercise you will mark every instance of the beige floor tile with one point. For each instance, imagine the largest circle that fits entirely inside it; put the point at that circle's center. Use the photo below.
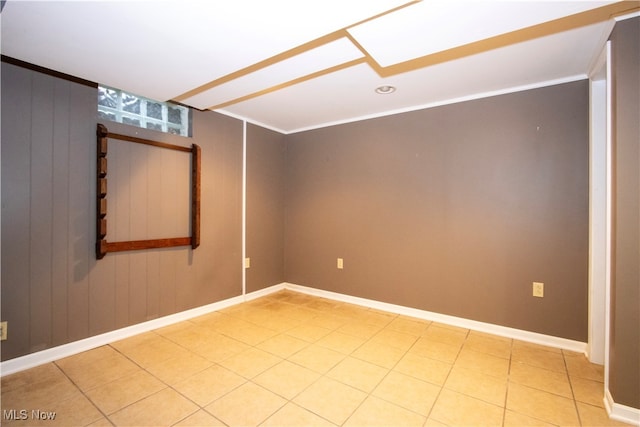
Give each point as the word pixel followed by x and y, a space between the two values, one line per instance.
pixel 588 391
pixel 400 340
pixel 580 367
pixel 278 323
pixel 150 349
pixel 457 409
pixel 329 321
pixel 426 347
pixel 124 391
pixel 211 318
pixel 538 356
pixel 96 367
pixel 309 333
pixel 594 416
pixel 542 379
pixel 433 423
pixel 483 362
pixel 322 304
pixel 514 419
pixel 377 412
pixel 186 334
pixel 301 314
pixel 519 345
pixel 485 343
pixel 219 347
pixel 164 408
pixel 409 325
pixel 317 358
pixel 247 405
pixel 31 377
pixel 176 369
pixel 287 379
pixel 539 404
pixel 359 329
pixel 200 419
pixel 250 334
pixel 77 411
pixel 295 359
pixel 423 368
pixel 351 311
pixel 341 342
pixel 379 354
pixel 445 334
pixel 102 422
pixel 377 317
pixel 40 387
pixel 331 400
pixel 291 415
pixel 407 392
pixel 477 384
pixel 209 385
pixel 283 345
pixel 251 362
pixel 357 373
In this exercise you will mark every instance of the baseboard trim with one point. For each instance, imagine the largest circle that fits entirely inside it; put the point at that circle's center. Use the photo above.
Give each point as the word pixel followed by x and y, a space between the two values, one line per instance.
pixel 45 356
pixel 503 331
pixel 622 413
pixel 32 360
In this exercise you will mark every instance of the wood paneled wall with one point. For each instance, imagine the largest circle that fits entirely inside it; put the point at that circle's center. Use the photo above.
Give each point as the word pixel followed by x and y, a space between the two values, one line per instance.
pixel 53 289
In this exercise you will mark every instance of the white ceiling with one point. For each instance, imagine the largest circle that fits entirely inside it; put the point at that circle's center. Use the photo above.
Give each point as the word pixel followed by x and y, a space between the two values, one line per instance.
pixel 292 65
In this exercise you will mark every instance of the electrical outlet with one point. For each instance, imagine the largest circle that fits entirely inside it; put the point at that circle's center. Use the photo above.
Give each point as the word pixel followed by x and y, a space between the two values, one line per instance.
pixel 538 289
pixel 3 331
pixel 340 263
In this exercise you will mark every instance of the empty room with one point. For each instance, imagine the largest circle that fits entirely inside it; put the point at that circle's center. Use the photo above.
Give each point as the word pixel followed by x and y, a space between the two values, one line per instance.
pixel 288 213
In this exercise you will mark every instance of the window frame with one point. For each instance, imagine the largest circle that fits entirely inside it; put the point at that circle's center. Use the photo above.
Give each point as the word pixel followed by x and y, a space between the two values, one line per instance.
pixel 161 125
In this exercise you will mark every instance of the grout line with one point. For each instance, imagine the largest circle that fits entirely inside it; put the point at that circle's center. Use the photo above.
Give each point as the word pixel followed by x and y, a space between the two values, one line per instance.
pixel 346 320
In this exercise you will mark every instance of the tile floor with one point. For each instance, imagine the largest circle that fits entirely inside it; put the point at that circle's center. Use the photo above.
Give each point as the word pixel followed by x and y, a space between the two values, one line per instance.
pixel 290 359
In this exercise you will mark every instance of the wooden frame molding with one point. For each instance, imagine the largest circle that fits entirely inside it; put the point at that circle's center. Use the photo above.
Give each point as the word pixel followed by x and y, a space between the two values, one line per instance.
pixel 102 245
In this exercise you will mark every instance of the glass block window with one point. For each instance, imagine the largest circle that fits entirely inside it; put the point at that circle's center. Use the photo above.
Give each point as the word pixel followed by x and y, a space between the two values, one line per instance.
pixel 123 107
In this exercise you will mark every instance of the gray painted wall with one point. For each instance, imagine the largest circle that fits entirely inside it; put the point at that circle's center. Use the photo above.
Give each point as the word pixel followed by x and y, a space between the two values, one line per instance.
pixel 455 209
pixel 624 371
pixel 265 207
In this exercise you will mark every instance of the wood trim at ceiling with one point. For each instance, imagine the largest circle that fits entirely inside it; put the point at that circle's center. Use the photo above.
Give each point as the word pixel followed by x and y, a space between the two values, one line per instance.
pixel 570 22
pixel 313 44
pixel 47 71
pixel 566 23
pixel 292 82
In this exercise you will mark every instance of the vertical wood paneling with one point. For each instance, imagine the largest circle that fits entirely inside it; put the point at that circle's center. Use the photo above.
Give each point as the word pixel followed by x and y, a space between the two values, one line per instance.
pixel 55 292
pixel 102 297
pixel 167 282
pixel 139 230
pixel 155 224
pixel 60 218
pixel 16 183
pixel 41 238
pixel 81 207
pixel 118 223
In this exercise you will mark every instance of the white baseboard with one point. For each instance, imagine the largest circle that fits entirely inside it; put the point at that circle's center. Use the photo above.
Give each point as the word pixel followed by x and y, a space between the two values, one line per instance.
pixel 622 413
pixel 55 353
pixel 51 354
pixel 503 331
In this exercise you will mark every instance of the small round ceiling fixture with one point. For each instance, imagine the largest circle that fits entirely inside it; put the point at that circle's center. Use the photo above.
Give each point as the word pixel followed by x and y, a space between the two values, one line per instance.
pixel 385 90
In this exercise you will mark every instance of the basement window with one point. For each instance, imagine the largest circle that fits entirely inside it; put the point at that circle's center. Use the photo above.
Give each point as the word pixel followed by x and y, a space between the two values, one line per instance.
pixel 122 107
